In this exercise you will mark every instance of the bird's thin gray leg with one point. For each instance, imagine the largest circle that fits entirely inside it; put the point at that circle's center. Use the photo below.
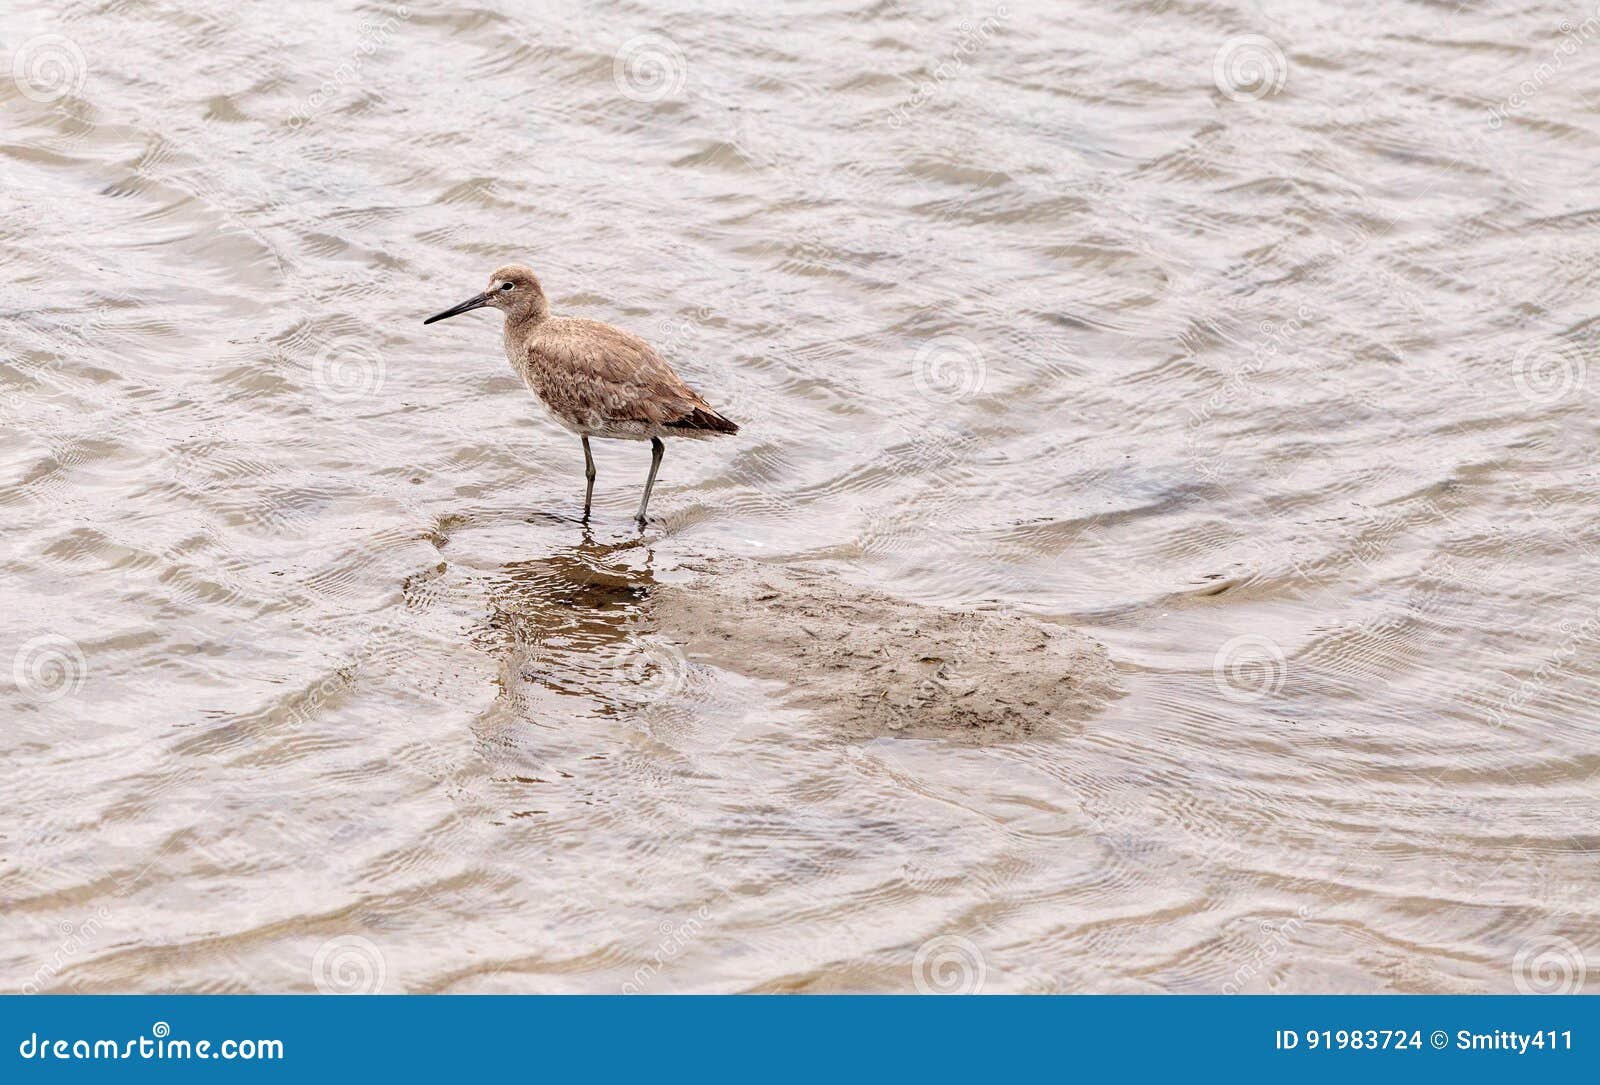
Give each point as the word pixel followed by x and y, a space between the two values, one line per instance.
pixel 588 473
pixel 657 449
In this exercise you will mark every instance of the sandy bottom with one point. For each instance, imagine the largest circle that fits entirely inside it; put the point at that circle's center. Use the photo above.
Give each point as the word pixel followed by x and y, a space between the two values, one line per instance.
pixel 873 664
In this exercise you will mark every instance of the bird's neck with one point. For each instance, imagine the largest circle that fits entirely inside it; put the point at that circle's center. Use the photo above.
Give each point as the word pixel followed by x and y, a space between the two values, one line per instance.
pixel 518 325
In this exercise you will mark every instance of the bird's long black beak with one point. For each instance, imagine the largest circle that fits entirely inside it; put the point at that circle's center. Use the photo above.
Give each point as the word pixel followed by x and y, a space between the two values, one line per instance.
pixel 477 301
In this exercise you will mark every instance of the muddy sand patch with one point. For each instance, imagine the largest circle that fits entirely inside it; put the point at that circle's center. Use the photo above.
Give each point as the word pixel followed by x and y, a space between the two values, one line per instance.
pixel 876 664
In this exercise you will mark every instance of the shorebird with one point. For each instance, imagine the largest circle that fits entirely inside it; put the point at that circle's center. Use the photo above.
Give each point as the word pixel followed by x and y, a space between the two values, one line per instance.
pixel 598 381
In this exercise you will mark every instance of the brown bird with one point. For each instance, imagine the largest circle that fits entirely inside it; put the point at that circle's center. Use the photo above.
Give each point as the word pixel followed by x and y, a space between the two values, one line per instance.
pixel 598 381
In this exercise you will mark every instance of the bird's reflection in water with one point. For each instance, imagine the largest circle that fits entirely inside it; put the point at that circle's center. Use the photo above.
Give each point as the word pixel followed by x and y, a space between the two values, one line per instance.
pixel 573 624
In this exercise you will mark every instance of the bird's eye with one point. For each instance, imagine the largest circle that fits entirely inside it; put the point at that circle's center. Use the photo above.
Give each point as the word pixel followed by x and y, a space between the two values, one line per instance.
pixel 505 286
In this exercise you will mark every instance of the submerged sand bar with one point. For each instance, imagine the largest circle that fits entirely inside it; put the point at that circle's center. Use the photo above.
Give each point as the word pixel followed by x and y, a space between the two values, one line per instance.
pixel 874 663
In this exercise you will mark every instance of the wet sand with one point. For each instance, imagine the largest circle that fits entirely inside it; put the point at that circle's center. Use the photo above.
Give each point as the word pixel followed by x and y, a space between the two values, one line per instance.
pixel 871 664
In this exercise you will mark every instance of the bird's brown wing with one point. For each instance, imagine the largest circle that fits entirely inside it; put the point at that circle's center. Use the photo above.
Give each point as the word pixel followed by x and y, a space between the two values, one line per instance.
pixel 592 371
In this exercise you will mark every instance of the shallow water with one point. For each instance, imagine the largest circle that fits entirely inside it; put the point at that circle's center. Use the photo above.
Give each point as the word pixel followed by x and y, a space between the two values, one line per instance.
pixel 1250 340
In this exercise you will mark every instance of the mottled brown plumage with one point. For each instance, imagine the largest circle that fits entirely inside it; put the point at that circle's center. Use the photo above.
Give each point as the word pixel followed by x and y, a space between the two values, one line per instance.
pixel 597 380
pixel 600 381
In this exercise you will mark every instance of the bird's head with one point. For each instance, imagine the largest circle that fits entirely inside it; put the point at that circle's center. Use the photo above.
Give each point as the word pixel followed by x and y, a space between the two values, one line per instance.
pixel 513 289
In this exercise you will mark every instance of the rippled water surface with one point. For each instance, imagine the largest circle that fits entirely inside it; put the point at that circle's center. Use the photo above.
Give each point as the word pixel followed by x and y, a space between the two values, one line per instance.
pixel 1252 340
